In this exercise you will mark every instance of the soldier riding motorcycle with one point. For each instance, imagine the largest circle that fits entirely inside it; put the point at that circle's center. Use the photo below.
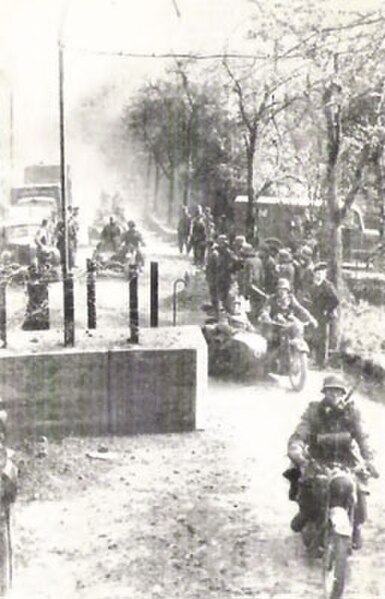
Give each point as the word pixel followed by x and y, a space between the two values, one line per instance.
pixel 283 319
pixel 332 462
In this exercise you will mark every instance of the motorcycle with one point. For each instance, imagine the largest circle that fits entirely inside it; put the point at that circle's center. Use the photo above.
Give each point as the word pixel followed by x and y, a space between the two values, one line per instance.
pixel 293 352
pixel 330 533
pixel 110 263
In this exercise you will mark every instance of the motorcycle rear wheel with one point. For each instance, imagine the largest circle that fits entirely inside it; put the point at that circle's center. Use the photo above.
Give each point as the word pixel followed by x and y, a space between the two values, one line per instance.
pixel 297 369
pixel 334 565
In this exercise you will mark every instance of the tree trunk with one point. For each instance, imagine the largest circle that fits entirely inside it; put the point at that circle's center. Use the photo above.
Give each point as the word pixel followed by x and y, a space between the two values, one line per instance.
pixel 250 227
pixel 156 188
pixel 335 246
pixel 171 195
pixel 148 179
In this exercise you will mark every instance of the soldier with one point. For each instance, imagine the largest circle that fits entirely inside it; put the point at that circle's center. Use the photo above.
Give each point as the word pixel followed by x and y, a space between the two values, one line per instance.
pixel 304 275
pixel 283 308
pixel 211 276
pixel 225 269
pixel 333 414
pixel 110 235
pixel 183 229
pixel 198 238
pixel 285 266
pixel 324 301
pixel 132 237
pixel 209 224
pixel 42 243
pixel 252 281
pixel 238 244
pixel 270 268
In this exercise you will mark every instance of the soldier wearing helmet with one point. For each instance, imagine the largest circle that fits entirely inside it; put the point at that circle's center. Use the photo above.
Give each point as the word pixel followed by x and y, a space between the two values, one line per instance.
pixel 285 266
pixel 132 237
pixel 282 308
pixel 336 418
pixel 304 274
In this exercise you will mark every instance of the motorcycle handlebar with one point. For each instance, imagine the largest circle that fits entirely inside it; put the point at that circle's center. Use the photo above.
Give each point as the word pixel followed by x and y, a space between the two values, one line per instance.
pixel 359 469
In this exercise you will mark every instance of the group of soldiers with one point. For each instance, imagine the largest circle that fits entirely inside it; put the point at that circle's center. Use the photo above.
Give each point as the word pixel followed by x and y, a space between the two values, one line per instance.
pixel 51 235
pixel 196 232
pixel 270 283
pixel 124 242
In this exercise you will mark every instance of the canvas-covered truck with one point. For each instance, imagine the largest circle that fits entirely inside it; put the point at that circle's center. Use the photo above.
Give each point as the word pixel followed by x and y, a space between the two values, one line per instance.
pixel 29 205
pixel 38 198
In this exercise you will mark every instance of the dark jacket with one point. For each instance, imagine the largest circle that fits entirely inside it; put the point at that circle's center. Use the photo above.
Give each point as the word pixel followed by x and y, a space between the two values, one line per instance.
pixel 319 419
pixel 253 276
pixel 324 300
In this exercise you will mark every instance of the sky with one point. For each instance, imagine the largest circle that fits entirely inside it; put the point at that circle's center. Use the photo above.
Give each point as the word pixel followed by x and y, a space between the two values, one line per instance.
pixel 29 64
pixel 28 38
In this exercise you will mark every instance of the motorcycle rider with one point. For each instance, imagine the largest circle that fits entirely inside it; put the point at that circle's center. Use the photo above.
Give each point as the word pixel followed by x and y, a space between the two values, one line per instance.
pixel 282 307
pixel 335 413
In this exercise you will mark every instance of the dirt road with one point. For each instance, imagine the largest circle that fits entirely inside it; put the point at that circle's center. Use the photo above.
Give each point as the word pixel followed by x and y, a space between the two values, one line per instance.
pixel 200 515
pixel 185 516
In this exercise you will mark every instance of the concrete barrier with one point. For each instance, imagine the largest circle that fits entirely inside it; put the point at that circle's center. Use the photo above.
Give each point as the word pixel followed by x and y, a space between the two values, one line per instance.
pixel 157 386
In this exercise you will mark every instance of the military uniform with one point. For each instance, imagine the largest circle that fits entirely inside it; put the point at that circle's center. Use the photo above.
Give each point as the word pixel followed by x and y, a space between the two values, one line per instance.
pixel 320 420
pixel 198 238
pixel 324 301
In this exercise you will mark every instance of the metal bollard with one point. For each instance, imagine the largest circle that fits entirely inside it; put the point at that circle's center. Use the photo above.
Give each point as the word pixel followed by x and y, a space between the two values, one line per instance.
pixel 91 294
pixel 134 305
pixel 3 314
pixel 154 294
pixel 69 311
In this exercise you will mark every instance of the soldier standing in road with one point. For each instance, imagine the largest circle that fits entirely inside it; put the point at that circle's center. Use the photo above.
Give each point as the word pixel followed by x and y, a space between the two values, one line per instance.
pixel 209 224
pixel 183 230
pixel 285 266
pixel 324 302
pixel 42 243
pixel 252 281
pixel 110 235
pixel 198 238
pixel 226 262
pixel 270 269
pixel 211 276
pixel 304 275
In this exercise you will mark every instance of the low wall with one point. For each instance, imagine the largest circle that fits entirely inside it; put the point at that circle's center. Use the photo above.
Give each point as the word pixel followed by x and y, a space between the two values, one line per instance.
pixel 148 388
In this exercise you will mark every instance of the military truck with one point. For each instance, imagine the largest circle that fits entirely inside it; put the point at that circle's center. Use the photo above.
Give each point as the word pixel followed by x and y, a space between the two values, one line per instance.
pixel 37 199
pixel 285 221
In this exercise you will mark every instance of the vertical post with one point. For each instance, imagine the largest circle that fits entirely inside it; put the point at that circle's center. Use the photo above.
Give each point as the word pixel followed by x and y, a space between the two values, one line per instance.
pixel 68 299
pixel 3 314
pixel 154 293
pixel 91 294
pixel 134 307
pixel 69 311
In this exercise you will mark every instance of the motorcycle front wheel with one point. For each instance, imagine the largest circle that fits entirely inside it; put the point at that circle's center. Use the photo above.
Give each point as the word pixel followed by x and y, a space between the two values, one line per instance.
pixel 297 369
pixel 334 565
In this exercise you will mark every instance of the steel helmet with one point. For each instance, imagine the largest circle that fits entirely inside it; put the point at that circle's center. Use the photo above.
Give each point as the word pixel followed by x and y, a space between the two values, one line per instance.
pixel 284 255
pixel 306 252
pixel 283 284
pixel 332 381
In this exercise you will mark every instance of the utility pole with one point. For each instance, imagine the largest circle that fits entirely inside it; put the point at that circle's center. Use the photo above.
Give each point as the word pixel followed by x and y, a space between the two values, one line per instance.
pixel 68 296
